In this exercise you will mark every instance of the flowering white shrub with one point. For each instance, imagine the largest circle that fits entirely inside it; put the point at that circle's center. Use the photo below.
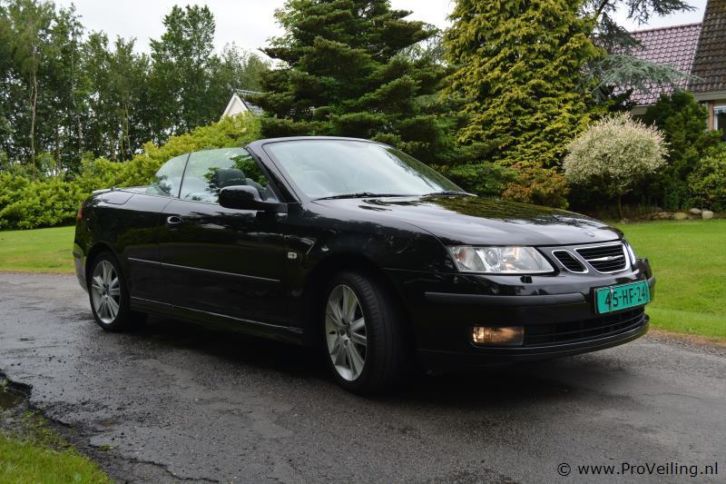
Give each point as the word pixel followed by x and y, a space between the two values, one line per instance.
pixel 614 154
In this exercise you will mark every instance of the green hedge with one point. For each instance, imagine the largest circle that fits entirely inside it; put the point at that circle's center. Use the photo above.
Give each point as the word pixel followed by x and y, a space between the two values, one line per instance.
pixel 27 203
pixel 681 120
pixel 708 181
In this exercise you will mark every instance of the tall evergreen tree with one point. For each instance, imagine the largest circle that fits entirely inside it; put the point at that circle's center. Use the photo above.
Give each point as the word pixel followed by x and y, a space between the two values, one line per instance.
pixel 519 69
pixel 345 73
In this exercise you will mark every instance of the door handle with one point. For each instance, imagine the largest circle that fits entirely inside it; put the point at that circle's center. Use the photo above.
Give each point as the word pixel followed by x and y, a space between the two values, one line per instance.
pixel 174 221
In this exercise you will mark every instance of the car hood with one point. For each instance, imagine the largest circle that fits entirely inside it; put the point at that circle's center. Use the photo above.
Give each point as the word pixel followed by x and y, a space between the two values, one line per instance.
pixel 483 221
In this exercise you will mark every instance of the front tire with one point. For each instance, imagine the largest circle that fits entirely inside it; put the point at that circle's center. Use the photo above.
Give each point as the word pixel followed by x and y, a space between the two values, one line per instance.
pixel 108 294
pixel 363 334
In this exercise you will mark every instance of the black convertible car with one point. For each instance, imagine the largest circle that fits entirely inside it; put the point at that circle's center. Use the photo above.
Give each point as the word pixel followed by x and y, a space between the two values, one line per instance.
pixel 357 248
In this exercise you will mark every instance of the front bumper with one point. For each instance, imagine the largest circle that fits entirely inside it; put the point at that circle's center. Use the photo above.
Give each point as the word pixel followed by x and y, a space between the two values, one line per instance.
pixel 557 313
pixel 484 357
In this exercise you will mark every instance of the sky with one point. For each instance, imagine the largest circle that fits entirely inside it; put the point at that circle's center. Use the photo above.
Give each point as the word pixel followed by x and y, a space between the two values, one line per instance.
pixel 249 23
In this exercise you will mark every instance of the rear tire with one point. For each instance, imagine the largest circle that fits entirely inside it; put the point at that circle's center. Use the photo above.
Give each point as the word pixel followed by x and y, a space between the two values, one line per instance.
pixel 363 335
pixel 109 296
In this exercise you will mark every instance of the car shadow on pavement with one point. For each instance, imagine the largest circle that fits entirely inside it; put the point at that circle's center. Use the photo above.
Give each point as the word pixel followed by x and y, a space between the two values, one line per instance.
pixel 495 386
pixel 234 347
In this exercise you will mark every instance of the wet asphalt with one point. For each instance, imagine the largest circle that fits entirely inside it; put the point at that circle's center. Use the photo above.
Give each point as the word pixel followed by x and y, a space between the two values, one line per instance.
pixel 174 402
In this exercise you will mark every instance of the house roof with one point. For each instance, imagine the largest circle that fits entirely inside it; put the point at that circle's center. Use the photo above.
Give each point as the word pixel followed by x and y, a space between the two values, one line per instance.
pixel 709 67
pixel 244 95
pixel 674 46
pixel 239 104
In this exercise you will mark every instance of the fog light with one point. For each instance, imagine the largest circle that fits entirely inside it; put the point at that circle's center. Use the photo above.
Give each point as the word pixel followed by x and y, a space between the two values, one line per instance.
pixel 498 336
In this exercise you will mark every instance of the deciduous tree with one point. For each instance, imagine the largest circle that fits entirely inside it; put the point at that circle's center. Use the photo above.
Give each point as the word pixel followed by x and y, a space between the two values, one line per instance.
pixel 65 95
pixel 180 75
pixel 614 155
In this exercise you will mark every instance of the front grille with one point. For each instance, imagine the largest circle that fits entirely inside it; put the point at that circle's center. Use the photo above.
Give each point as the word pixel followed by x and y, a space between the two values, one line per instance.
pixel 572 332
pixel 605 258
pixel 568 261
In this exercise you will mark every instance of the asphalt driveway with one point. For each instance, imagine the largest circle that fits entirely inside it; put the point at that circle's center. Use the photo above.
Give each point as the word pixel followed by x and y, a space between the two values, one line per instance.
pixel 177 402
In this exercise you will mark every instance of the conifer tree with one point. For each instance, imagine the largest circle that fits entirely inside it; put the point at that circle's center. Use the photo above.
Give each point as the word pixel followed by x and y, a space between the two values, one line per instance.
pixel 519 69
pixel 345 71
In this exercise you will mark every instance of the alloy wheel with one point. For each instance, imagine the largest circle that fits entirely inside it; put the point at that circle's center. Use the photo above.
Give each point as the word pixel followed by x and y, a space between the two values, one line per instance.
pixel 106 291
pixel 345 332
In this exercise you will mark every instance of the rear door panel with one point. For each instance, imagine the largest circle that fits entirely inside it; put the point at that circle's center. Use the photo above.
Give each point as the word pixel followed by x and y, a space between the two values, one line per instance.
pixel 133 229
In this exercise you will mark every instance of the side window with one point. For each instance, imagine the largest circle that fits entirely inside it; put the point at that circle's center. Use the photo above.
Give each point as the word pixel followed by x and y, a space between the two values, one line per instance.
pixel 168 178
pixel 210 171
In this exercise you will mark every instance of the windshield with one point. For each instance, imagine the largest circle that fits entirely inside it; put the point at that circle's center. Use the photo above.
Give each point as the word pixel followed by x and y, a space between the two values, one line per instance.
pixel 345 168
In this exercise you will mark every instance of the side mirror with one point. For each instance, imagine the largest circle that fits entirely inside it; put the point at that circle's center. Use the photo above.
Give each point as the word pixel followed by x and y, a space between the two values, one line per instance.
pixel 244 197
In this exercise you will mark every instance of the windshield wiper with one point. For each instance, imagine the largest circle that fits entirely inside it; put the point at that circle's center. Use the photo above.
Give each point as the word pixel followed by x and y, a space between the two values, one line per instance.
pixel 450 193
pixel 361 195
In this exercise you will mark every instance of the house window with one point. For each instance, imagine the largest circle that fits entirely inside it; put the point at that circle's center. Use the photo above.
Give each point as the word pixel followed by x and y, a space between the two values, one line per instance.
pixel 719 120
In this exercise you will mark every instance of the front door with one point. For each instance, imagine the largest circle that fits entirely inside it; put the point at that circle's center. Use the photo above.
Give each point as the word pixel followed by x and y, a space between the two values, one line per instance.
pixel 224 261
pixel 140 244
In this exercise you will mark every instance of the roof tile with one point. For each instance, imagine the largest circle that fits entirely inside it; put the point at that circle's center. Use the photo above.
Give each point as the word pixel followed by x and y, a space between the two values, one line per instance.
pixel 674 46
pixel 709 67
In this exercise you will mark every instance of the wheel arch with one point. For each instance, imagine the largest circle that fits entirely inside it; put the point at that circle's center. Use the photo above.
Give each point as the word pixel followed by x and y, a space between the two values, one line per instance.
pixel 93 252
pixel 316 282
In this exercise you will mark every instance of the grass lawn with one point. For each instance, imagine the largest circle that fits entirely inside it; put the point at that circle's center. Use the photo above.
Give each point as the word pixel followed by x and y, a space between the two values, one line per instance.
pixel 22 462
pixel 32 452
pixel 41 250
pixel 689 260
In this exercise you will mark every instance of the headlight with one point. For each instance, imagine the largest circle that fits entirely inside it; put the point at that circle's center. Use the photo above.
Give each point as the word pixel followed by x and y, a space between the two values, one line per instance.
pixel 631 253
pixel 500 260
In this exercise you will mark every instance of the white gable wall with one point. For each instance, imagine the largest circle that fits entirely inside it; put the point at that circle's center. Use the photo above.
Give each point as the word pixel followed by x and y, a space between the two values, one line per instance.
pixel 235 107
